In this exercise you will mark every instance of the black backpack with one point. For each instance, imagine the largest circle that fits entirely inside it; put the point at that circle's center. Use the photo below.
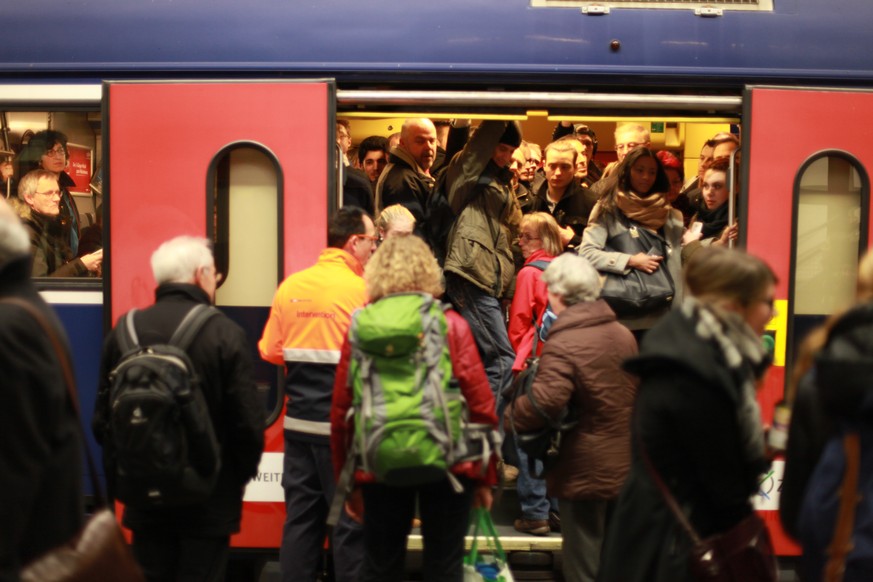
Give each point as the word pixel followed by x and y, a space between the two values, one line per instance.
pixel 165 447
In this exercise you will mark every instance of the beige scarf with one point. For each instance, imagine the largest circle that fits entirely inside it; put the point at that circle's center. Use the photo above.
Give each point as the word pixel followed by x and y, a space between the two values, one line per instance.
pixel 651 211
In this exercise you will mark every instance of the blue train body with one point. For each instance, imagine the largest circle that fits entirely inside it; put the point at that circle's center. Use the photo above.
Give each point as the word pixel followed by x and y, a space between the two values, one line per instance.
pixel 457 40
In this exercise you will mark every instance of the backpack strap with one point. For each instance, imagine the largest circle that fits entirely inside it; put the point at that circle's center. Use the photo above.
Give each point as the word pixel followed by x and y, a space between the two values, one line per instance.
pixel 191 325
pixel 541 264
pixel 841 544
pixel 127 338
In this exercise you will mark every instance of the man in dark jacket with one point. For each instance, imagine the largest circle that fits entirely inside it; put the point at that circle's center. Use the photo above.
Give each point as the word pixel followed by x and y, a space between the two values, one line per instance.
pixel 38 204
pixel 407 179
pixel 40 472
pixel 193 538
pixel 562 196
pixel 479 266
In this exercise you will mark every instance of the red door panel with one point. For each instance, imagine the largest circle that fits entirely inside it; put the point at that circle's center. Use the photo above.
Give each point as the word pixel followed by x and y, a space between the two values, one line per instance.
pixel 784 129
pixel 162 138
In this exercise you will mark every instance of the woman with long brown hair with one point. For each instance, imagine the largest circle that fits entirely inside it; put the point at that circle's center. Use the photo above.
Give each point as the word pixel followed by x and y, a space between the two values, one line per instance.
pixel 636 201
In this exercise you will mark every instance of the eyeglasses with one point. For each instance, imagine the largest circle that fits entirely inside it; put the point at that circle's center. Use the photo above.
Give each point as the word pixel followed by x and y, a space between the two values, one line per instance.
pixel 56 153
pixel 370 237
pixel 525 236
pixel 627 146
pixel 50 193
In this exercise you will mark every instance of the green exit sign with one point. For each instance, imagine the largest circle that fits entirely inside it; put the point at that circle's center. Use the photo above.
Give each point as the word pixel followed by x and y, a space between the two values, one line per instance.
pixel 657 127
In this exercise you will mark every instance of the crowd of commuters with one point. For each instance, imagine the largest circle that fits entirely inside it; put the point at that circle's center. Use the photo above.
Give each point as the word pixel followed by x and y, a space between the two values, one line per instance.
pixel 668 390
pixel 536 233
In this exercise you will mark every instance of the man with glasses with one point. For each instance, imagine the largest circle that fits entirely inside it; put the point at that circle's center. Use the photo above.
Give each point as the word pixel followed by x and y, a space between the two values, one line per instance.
pixel 189 541
pixel 308 323
pixel 627 137
pixel 39 208
pixel 47 150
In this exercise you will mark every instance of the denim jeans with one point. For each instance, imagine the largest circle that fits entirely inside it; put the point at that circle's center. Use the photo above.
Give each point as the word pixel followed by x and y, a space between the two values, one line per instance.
pixel 531 491
pixel 485 318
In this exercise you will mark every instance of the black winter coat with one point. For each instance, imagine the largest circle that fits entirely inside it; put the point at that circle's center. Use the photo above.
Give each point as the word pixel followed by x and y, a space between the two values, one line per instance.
pixel 221 358
pixel 573 209
pixel 402 183
pixel 686 417
pixel 40 444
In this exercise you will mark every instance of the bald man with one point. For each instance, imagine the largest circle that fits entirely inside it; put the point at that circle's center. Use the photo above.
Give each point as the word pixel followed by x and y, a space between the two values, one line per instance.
pixel 406 179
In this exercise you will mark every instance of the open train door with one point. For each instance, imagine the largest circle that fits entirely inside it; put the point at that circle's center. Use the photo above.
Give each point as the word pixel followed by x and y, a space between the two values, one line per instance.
pixel 246 164
pixel 805 205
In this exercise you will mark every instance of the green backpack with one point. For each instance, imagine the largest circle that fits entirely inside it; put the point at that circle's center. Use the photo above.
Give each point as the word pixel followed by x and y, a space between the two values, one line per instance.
pixel 411 420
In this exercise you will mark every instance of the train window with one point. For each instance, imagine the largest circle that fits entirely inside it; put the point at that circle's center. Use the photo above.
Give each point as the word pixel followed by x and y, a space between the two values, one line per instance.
pixel 831 196
pixel 244 203
pixel 66 144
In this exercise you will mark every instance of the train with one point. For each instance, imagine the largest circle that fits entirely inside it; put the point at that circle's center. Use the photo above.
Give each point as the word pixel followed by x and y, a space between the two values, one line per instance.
pixel 218 119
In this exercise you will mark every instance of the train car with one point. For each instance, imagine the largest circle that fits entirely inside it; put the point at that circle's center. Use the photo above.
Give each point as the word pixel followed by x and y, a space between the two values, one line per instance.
pixel 218 119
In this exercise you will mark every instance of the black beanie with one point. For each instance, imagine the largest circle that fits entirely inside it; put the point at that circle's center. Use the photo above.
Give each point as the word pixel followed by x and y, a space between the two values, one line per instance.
pixel 512 135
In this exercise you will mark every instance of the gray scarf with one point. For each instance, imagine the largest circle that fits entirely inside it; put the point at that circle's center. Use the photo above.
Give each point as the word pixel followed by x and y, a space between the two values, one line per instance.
pixel 740 346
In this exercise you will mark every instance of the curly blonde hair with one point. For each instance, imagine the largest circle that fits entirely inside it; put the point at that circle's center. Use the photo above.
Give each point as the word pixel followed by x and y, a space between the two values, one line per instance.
pixel 402 265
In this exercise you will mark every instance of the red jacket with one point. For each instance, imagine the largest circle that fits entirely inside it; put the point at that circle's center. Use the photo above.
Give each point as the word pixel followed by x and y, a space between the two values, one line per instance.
pixel 531 297
pixel 470 373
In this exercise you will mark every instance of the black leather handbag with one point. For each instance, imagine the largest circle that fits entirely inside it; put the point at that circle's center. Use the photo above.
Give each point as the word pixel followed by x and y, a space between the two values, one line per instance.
pixel 638 293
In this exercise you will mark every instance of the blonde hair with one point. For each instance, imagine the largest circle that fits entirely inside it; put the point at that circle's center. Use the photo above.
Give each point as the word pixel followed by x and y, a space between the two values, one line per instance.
pixel 402 265
pixel 546 227
pixel 392 214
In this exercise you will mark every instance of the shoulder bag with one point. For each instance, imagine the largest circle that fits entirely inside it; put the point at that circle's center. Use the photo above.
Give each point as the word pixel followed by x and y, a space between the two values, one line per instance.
pixel 545 444
pixel 637 292
pixel 98 552
pixel 743 553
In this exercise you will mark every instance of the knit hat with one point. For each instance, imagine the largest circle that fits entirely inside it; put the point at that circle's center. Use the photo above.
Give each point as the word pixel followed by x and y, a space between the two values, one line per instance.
pixel 512 135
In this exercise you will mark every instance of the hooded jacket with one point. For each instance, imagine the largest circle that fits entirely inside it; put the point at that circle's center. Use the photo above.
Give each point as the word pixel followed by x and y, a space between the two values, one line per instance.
pixel 487 213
